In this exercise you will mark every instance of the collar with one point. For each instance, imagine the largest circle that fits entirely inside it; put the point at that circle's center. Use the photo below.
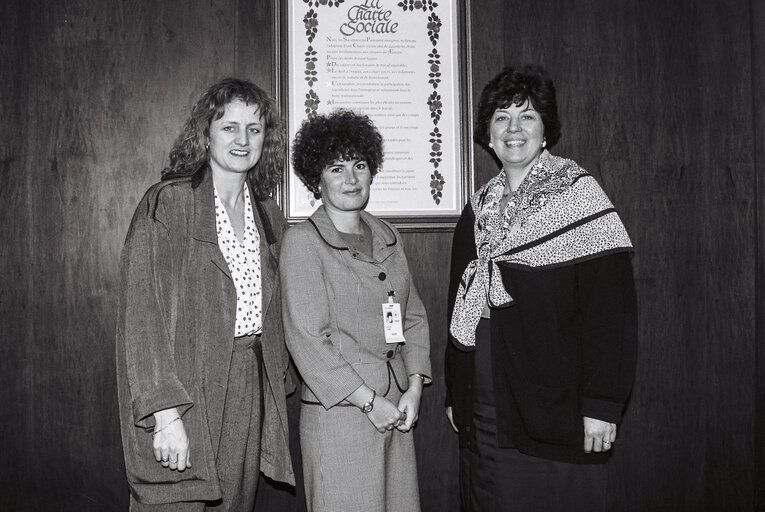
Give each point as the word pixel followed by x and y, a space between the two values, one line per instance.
pixel 384 238
pixel 250 227
pixel 204 213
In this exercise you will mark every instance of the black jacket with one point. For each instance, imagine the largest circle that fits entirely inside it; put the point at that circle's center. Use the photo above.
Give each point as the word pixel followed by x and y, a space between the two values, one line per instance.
pixel 566 348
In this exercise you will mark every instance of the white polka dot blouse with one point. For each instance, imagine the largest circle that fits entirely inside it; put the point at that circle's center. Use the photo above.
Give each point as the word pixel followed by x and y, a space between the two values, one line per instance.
pixel 243 259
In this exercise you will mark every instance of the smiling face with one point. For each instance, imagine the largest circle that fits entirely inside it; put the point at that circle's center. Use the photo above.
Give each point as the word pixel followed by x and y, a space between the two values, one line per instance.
pixel 236 139
pixel 516 134
pixel 345 185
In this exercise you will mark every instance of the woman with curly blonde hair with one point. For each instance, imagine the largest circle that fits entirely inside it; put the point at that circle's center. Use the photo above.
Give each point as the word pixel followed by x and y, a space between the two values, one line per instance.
pixel 201 360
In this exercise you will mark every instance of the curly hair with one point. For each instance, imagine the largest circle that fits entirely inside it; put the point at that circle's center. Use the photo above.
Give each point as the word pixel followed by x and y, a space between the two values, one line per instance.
pixel 341 135
pixel 514 86
pixel 189 156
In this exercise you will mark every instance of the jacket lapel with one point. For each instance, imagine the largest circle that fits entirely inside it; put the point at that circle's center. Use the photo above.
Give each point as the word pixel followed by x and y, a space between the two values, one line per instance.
pixel 384 239
pixel 268 257
pixel 204 222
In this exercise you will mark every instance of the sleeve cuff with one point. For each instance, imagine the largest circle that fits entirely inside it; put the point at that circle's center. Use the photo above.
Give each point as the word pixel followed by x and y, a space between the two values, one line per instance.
pixel 602 410
pixel 339 392
pixel 164 396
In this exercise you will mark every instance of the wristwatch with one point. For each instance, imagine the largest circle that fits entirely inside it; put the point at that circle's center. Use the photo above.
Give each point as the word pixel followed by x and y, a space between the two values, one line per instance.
pixel 367 407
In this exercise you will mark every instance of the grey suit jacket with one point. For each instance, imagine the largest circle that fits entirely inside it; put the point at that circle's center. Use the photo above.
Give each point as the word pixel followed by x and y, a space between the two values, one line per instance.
pixel 332 302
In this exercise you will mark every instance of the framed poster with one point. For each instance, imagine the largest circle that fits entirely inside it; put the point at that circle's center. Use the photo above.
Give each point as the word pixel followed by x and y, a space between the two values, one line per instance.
pixel 405 64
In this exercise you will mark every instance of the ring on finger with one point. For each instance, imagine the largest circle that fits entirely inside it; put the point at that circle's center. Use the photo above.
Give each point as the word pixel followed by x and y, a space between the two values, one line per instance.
pixel 389 427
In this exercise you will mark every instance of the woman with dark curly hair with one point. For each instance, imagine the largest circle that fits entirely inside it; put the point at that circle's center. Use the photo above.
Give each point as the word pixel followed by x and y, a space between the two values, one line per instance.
pixel 355 326
pixel 541 354
pixel 201 359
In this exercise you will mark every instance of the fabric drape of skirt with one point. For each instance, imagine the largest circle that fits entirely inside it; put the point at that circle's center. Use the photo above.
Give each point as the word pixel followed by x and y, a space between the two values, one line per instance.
pixel 238 460
pixel 350 467
pixel 494 479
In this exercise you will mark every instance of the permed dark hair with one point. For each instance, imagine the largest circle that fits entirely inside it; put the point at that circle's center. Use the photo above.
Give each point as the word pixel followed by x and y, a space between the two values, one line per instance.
pixel 341 135
pixel 189 156
pixel 514 86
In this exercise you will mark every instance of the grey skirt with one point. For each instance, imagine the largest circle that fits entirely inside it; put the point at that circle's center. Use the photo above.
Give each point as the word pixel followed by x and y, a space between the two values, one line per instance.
pixel 350 467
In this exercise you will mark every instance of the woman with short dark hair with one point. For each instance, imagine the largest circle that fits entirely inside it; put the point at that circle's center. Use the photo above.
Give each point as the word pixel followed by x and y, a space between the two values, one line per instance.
pixel 542 338
pixel 343 271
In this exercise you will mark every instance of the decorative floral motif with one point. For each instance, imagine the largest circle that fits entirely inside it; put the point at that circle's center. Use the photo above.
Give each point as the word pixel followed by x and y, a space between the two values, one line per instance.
pixel 417 5
pixel 329 3
pixel 435 68
pixel 435 105
pixel 435 147
pixel 311 103
pixel 437 186
pixel 434 28
pixel 310 66
pixel 311 23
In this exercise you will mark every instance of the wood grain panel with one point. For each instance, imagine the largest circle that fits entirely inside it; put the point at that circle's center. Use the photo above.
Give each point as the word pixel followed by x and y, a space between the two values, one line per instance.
pixel 758 108
pixel 488 56
pixel 110 86
pixel 436 444
pixel 659 109
pixel 15 273
pixel 257 43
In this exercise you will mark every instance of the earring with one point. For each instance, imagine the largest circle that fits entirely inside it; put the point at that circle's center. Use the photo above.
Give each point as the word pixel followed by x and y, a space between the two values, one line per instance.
pixel 491 145
pixel 207 146
pixel 544 143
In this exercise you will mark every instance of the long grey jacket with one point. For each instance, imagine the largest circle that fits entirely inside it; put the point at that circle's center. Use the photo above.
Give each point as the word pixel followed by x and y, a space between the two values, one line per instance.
pixel 175 336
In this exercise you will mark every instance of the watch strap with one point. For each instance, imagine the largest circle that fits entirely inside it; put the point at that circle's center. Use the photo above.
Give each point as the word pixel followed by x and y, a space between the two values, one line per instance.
pixel 367 407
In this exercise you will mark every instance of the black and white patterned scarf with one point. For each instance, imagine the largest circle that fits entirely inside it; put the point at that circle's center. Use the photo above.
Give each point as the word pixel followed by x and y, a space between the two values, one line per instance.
pixel 559 215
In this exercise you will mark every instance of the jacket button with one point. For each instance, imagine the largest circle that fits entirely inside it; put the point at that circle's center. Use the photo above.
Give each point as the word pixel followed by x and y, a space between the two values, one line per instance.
pixel 381 276
pixel 467 428
pixel 389 354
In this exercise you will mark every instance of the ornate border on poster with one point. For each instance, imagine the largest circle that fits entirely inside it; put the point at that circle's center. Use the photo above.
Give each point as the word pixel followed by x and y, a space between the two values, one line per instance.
pixel 303 76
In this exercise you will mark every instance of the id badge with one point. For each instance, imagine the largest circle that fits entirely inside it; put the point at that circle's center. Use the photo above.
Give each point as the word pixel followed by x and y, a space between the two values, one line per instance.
pixel 392 323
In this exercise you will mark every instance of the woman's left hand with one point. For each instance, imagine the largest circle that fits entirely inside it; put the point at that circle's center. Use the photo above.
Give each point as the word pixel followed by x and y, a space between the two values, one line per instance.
pixel 169 441
pixel 598 435
pixel 409 404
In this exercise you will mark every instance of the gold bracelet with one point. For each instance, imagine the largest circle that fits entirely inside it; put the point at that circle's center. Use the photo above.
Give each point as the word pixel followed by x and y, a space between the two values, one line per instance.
pixel 163 428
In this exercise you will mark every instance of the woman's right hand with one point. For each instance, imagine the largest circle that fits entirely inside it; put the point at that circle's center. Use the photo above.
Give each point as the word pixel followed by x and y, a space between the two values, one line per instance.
pixel 384 415
pixel 170 443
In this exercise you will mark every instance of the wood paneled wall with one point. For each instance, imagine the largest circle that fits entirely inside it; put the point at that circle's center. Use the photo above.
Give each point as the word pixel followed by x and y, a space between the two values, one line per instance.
pixel 758 110
pixel 660 109
pixel 15 271
pixel 662 101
